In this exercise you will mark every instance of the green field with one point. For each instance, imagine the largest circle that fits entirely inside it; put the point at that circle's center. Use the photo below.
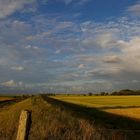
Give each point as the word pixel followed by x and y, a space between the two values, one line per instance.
pixel 123 105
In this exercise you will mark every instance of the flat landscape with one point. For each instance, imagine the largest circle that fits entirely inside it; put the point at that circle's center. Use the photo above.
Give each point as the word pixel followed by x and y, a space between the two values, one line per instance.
pixel 73 118
pixel 122 105
pixel 69 69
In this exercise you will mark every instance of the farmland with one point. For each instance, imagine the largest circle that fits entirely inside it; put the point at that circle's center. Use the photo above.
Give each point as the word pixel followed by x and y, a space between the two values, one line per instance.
pixel 5 99
pixel 122 105
pixel 52 118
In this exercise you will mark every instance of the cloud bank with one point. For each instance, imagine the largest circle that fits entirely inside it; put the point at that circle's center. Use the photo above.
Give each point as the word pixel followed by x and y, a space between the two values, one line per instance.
pixel 52 54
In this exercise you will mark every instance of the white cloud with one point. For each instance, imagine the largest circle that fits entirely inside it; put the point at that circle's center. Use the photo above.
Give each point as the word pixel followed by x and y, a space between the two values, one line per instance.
pixel 12 83
pixel 32 47
pixel 64 25
pixel 134 9
pixel 67 2
pixel 83 1
pixel 101 72
pixel 63 50
pixel 103 36
pixel 81 66
pixel 17 68
pixel 106 39
pixel 130 54
pixel 102 40
pixel 111 59
pixel 8 7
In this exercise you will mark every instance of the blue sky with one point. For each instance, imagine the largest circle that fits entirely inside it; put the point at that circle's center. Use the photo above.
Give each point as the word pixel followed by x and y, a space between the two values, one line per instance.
pixel 70 45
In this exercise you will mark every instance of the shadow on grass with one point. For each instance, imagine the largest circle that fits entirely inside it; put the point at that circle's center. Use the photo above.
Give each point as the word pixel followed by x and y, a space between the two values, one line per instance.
pixel 99 117
pixel 29 125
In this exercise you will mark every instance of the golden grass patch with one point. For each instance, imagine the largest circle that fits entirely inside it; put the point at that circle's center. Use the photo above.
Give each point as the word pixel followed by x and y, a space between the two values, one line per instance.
pixel 129 112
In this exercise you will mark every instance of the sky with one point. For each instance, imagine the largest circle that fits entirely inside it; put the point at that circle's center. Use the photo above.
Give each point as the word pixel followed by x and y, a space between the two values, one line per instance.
pixel 70 45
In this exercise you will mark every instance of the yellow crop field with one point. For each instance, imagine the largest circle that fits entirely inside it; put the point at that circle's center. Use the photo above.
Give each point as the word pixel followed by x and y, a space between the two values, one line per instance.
pixel 122 105
pixel 5 99
pixel 129 112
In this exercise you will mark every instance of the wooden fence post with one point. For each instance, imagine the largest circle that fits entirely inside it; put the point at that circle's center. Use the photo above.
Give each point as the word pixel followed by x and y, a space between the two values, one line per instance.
pixel 23 125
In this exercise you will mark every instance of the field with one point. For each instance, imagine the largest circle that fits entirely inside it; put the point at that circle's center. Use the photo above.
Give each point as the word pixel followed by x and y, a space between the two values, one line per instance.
pixel 122 105
pixel 6 99
pixel 53 119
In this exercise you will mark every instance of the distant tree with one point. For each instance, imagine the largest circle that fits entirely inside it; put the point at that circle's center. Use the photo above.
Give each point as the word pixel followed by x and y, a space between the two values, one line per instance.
pixel 102 93
pixel 107 93
pixel 25 96
pixel 114 93
pixel 90 94
pixel 126 92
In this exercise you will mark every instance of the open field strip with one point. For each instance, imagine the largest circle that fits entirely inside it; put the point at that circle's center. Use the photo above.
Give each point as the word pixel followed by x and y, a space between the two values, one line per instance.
pixel 6 99
pixel 122 105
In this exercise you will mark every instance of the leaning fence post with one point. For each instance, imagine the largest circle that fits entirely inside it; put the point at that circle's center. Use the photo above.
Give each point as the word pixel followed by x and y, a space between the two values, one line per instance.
pixel 23 125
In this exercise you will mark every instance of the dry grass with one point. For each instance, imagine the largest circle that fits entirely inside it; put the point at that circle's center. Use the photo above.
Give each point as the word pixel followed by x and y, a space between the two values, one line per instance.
pixel 9 117
pixel 48 122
